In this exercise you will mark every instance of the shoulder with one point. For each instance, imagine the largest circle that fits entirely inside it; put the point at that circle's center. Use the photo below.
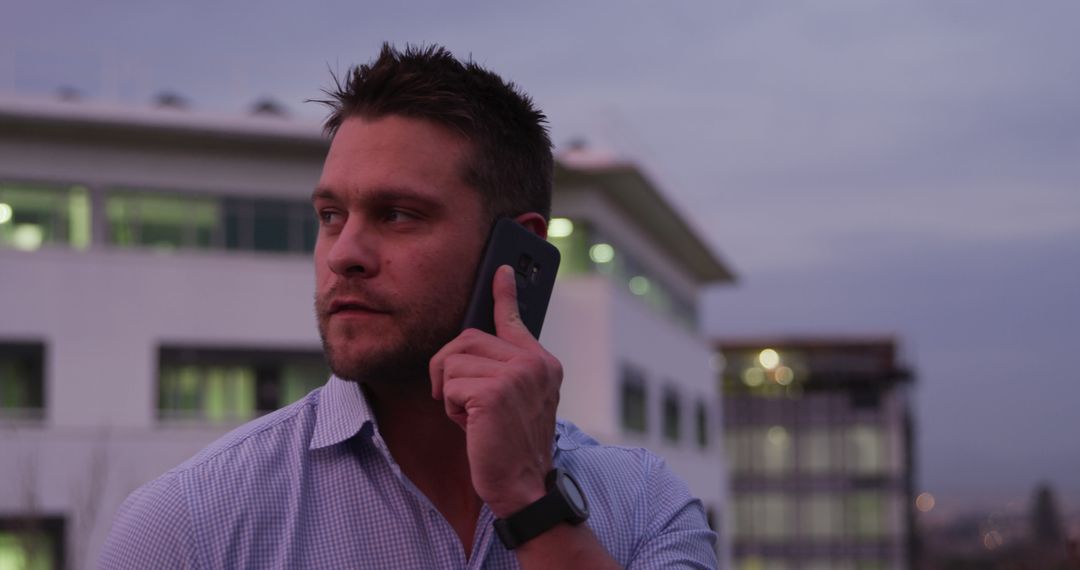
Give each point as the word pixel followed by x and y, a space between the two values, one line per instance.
pixel 152 529
pixel 158 524
pixel 284 431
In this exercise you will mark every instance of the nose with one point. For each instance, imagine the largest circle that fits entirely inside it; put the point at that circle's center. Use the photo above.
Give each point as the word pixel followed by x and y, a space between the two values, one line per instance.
pixel 355 250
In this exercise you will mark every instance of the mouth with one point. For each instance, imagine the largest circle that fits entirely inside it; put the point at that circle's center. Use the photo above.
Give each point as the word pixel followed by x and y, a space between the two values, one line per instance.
pixel 345 307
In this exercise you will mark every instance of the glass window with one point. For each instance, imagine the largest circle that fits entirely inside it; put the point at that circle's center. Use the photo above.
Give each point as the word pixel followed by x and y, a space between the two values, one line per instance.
pixel 816 452
pixel 162 220
pixel 672 415
pixel 743 524
pixel 585 249
pixel 777 455
pixel 22 381
pixel 271 226
pixel 31 543
pixel 773 516
pixel 634 400
pixel 35 215
pixel 221 385
pixel 865 450
pixel 865 514
pixel 760 563
pixel 763 517
pixel 822 516
pixel 175 220
pixel 701 421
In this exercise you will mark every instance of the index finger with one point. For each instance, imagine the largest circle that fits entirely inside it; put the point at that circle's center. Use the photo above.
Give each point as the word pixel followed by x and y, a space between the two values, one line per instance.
pixel 508 323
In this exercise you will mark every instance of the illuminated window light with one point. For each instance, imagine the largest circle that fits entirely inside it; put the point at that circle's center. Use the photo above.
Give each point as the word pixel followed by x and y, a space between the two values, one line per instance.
pixel 601 253
pixel 27 237
pixel 769 358
pixel 639 285
pixel 777 435
pixel 753 377
pixel 5 213
pixel 560 228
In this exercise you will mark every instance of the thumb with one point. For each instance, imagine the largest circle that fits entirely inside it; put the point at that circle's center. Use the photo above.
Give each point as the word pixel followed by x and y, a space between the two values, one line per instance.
pixel 508 323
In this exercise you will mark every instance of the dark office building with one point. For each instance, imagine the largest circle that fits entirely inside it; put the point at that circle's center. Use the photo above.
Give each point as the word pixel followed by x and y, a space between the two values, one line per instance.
pixel 820 447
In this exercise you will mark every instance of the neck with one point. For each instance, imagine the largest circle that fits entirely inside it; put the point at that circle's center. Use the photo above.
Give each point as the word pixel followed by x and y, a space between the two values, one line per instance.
pixel 430 449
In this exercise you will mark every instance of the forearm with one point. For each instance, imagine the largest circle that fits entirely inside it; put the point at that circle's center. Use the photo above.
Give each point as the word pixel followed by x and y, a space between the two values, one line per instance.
pixel 565 546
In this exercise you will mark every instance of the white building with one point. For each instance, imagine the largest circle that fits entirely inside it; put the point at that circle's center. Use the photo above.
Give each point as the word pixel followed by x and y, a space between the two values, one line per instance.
pixel 156 291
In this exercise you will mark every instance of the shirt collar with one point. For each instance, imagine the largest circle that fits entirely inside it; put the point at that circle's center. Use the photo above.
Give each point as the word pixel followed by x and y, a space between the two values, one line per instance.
pixel 342 413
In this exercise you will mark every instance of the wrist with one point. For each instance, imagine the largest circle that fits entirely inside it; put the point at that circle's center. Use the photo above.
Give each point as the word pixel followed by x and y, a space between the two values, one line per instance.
pixel 563 502
pixel 512 501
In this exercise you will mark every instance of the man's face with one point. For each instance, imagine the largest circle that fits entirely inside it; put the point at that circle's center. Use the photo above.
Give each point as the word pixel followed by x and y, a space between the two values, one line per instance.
pixel 400 235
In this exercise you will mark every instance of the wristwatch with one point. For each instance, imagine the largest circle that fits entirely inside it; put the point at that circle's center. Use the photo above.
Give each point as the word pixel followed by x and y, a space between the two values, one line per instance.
pixel 564 502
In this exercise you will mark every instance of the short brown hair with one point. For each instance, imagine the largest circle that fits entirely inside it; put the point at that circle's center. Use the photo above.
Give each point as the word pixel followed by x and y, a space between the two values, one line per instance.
pixel 511 163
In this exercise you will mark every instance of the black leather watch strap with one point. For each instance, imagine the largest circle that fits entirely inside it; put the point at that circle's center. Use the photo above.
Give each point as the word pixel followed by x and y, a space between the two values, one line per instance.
pixel 533 520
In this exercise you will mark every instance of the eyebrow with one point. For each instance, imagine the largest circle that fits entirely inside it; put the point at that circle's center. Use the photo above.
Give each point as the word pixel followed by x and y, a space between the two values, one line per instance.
pixel 382 195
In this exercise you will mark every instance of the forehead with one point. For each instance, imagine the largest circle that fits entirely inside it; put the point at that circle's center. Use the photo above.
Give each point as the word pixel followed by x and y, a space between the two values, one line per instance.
pixel 398 152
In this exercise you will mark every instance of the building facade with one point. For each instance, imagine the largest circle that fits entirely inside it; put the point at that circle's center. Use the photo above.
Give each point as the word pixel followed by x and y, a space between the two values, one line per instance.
pixel 156 291
pixel 819 442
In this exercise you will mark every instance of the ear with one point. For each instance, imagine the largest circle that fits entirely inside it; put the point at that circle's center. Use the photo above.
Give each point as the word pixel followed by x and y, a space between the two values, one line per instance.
pixel 533 222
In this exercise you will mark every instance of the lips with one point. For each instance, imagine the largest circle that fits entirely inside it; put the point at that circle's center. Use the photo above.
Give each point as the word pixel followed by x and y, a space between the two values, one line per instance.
pixel 353 306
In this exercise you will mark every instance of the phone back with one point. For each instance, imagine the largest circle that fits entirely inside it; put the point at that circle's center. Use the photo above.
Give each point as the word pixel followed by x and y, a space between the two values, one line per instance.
pixel 535 263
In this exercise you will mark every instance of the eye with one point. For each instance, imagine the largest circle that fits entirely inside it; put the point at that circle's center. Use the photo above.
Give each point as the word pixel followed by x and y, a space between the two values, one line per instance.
pixel 398 215
pixel 327 217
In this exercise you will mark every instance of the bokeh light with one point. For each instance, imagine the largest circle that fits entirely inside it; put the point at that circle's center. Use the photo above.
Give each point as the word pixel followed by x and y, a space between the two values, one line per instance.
pixel 560 228
pixel 769 358
pixel 601 253
pixel 925 502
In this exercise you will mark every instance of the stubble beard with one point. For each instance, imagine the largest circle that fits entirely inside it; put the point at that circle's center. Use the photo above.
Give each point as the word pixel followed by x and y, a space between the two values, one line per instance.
pixel 403 366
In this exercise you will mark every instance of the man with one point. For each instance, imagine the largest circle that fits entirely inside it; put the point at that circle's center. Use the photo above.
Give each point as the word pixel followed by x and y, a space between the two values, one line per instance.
pixel 429 447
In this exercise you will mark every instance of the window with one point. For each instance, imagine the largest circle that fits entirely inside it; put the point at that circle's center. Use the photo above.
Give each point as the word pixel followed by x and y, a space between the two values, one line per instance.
pixel 701 421
pixel 31 543
pixel 634 400
pixel 866 451
pixel 865 514
pixel 816 454
pixel 585 249
pixel 221 385
pixel 672 415
pixel 763 517
pixel 822 516
pixel 22 380
pixel 173 220
pixel 35 215
pixel 777 456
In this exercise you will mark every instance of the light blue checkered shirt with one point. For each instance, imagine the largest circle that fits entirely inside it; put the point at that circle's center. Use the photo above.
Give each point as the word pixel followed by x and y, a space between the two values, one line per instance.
pixel 314 486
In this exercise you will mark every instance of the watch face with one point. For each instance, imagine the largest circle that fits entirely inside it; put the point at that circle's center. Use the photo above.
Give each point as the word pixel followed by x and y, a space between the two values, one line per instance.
pixel 573 495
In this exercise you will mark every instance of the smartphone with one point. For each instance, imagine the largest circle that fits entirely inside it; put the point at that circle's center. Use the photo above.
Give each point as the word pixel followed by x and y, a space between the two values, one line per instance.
pixel 535 263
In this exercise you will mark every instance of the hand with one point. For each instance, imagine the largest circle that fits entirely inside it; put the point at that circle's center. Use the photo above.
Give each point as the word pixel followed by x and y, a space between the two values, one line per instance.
pixel 503 391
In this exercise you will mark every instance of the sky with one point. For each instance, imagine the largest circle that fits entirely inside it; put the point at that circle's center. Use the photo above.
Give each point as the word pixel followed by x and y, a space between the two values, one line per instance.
pixel 902 168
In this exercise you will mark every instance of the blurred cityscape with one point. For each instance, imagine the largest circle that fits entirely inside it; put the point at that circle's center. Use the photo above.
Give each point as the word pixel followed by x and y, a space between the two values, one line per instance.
pixel 155 290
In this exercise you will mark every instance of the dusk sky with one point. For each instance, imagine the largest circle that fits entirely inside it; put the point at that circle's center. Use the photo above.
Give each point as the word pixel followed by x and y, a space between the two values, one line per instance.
pixel 906 168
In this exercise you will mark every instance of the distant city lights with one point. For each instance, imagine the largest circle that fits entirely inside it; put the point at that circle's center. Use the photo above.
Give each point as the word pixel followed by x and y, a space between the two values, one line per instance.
pixel 992 540
pixel 769 358
pixel 601 253
pixel 5 213
pixel 560 228
pixel 925 502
